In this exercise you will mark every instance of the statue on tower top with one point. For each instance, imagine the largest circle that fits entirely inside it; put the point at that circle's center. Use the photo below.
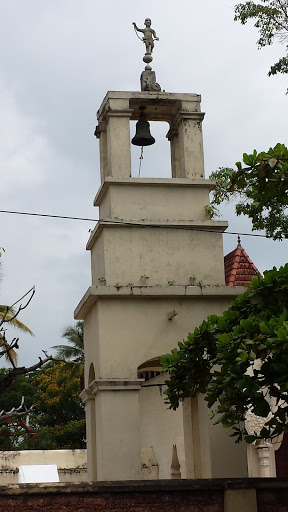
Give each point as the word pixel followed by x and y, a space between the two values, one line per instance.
pixel 149 35
pixel 148 77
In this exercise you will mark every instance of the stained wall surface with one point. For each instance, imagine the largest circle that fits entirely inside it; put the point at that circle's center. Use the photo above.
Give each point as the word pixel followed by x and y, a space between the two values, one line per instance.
pixel 71 464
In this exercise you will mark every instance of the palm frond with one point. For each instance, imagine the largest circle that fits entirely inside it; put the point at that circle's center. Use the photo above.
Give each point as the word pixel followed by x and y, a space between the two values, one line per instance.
pixel 75 350
pixel 11 355
pixel 15 322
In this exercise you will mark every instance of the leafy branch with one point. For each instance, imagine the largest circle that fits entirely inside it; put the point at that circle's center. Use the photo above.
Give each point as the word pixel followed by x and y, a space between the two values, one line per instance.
pixel 271 20
pixel 239 360
pixel 260 189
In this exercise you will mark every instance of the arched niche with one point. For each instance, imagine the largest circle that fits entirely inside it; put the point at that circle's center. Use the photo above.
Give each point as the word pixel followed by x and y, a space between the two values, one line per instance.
pixel 91 375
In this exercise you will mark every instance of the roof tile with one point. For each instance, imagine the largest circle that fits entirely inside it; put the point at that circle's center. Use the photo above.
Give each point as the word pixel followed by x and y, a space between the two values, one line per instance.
pixel 239 268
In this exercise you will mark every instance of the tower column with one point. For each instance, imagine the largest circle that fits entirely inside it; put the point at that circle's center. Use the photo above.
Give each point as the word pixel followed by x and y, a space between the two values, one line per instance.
pixel 117 429
pixel 191 144
pixel 89 400
pixel 196 438
pixel 103 155
pixel 176 170
pixel 113 131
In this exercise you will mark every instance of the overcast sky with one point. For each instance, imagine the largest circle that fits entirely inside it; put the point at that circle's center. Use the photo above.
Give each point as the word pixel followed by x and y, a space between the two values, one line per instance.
pixel 58 60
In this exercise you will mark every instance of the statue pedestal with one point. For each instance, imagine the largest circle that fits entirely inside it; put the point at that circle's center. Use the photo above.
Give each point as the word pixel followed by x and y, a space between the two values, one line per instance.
pixel 148 81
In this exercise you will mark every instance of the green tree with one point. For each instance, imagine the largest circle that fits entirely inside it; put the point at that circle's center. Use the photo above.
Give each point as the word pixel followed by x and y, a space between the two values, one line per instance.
pixel 14 429
pixel 73 353
pixel 271 20
pixel 239 360
pixel 57 417
pixel 75 350
pixel 8 349
pixel 8 315
pixel 59 412
pixel 260 190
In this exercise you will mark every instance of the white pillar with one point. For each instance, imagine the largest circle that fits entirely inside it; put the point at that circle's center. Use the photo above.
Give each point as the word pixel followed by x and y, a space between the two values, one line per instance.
pixel 263 451
pixel 89 400
pixel 113 131
pixel 117 430
pixel 196 439
pixel 118 143
pixel 190 144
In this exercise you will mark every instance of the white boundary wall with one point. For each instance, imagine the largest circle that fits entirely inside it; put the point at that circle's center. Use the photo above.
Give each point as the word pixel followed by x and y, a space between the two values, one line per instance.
pixel 71 464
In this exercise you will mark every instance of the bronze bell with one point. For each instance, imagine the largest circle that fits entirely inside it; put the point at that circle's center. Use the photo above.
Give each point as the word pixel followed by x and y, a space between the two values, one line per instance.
pixel 143 136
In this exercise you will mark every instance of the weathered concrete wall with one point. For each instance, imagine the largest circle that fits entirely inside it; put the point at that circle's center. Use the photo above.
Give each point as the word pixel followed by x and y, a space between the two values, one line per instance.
pixel 218 495
pixel 161 428
pixel 71 464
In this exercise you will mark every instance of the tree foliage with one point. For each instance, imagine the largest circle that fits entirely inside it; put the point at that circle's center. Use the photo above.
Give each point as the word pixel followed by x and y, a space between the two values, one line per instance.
pixel 59 412
pixel 74 351
pixel 8 316
pixel 57 419
pixel 58 394
pixel 271 20
pixel 260 189
pixel 239 360
pixel 8 349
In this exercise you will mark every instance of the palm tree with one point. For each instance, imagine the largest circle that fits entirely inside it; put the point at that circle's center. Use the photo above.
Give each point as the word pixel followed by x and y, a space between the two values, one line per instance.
pixel 75 351
pixel 8 314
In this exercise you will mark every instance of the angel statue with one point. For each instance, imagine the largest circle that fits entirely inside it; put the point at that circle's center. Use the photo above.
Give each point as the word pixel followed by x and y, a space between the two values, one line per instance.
pixel 149 35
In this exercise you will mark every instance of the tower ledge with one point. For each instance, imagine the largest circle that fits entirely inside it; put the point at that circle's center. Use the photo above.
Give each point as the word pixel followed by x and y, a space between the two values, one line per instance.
pixel 163 100
pixel 191 225
pixel 162 292
pixel 167 182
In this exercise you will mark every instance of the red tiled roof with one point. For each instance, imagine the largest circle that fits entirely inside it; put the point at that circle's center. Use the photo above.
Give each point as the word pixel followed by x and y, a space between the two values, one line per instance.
pixel 239 269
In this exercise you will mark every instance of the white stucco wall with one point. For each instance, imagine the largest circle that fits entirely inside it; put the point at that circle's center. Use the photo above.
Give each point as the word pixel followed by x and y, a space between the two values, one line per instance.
pixel 161 428
pixel 71 464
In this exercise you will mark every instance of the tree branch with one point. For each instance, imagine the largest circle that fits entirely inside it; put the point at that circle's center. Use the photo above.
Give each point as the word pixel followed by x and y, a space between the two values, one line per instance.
pixel 20 308
pixel 14 372
pixel 16 412
pixel 58 360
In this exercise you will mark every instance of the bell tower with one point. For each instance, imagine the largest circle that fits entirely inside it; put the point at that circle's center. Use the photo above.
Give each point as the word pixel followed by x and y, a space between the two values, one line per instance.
pixel 153 251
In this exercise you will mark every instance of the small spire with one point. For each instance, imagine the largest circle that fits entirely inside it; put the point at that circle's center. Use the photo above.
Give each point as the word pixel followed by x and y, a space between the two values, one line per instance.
pixel 175 464
pixel 239 240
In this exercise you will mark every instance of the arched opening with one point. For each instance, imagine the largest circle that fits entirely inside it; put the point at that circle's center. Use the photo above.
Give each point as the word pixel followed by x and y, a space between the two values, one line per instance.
pixel 149 369
pixel 91 375
pixel 91 428
pixel 156 161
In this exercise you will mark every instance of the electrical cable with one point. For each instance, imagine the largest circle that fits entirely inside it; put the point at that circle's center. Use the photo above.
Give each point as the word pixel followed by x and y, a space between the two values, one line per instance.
pixel 131 223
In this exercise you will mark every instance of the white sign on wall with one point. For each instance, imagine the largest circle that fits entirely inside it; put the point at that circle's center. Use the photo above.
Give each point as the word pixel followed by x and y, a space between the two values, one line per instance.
pixel 41 473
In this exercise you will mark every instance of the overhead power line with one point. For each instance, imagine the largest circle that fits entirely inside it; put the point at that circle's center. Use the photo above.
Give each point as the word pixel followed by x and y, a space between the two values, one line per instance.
pixel 132 223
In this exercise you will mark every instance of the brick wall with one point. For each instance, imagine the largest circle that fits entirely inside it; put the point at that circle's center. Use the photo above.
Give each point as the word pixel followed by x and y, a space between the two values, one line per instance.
pixel 270 500
pixel 156 496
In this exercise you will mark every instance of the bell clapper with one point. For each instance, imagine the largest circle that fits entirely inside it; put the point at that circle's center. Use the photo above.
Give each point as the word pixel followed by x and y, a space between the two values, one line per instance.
pixel 140 158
